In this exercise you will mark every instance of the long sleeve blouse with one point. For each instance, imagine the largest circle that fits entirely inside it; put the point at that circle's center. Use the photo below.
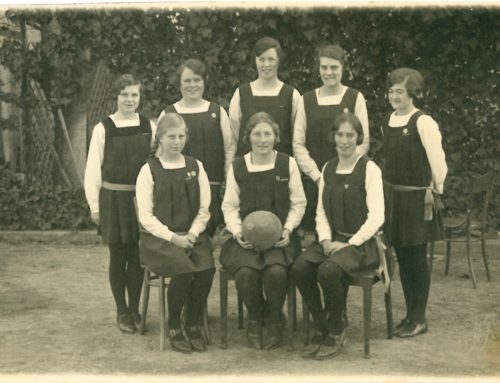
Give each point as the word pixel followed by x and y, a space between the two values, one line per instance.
pixel 93 175
pixel 145 203
pixel 429 133
pixel 374 202
pixel 231 202
pixel 305 161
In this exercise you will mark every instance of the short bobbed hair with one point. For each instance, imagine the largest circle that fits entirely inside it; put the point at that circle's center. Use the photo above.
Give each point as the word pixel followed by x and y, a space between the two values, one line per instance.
pixel 197 66
pixel 352 120
pixel 331 51
pixel 122 82
pixel 266 43
pixel 411 78
pixel 256 119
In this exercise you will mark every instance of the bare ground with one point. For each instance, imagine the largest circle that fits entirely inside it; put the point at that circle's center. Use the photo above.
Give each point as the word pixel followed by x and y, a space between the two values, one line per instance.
pixel 57 316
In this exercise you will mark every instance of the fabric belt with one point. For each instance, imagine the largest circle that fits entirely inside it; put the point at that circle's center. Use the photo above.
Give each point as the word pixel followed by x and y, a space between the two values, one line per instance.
pixel 215 183
pixel 428 197
pixel 117 187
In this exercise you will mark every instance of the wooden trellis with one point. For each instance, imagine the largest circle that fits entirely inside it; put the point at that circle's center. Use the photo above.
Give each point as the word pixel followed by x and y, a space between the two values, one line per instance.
pixel 100 104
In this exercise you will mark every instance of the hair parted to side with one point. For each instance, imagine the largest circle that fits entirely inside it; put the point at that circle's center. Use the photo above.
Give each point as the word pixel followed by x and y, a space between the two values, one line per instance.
pixel 197 66
pixel 166 122
pixel 121 82
pixel 331 51
pixel 352 120
pixel 256 119
pixel 266 43
pixel 411 78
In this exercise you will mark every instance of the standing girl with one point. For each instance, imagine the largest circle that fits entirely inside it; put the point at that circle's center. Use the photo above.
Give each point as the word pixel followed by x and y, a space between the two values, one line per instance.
pixel 350 212
pixel 414 174
pixel 210 137
pixel 263 179
pixel 119 146
pixel 317 109
pixel 265 94
pixel 173 199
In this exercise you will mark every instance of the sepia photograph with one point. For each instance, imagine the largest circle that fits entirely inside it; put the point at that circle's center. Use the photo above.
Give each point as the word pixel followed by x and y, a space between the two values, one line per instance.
pixel 249 191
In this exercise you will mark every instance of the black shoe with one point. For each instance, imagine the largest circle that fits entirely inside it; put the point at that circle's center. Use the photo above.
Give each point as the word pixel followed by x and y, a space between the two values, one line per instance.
pixel 274 336
pixel 254 334
pixel 312 348
pixel 405 322
pixel 413 329
pixel 331 346
pixel 197 339
pixel 179 342
pixel 125 323
pixel 136 319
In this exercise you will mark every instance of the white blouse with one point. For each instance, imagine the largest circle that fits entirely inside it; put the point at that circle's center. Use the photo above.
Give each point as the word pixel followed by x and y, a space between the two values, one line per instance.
pixel 231 202
pixel 374 202
pixel 235 108
pixel 225 127
pixel 429 133
pixel 305 161
pixel 144 194
pixel 93 176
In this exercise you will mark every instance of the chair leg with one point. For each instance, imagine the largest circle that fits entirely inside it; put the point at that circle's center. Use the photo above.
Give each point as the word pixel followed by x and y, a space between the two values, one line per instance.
pixel 448 256
pixel 431 256
pixel 223 309
pixel 388 312
pixel 291 309
pixel 367 313
pixel 240 313
pixel 471 268
pixel 161 289
pixel 485 259
pixel 145 300
pixel 206 327
pixel 305 322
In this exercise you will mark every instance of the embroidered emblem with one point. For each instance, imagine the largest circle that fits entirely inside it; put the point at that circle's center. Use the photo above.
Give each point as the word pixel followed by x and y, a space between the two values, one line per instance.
pixel 346 186
pixel 190 175
pixel 405 131
pixel 346 110
pixel 214 115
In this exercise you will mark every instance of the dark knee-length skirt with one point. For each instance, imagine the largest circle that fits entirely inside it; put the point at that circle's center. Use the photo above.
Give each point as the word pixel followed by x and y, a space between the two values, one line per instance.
pixel 166 259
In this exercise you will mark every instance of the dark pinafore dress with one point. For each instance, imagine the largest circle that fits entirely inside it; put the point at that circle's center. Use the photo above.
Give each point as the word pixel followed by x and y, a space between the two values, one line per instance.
pixel 280 109
pixel 125 151
pixel 206 144
pixel 266 190
pixel 406 164
pixel 176 199
pixel 344 201
pixel 319 120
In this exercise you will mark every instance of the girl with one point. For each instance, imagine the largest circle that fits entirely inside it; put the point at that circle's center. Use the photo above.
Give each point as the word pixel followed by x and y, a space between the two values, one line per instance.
pixel 265 94
pixel 263 179
pixel 119 146
pixel 173 199
pixel 317 109
pixel 210 137
pixel 414 173
pixel 350 212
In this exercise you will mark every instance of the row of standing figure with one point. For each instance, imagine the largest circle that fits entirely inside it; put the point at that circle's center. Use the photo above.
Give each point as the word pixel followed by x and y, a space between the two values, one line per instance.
pixel 180 199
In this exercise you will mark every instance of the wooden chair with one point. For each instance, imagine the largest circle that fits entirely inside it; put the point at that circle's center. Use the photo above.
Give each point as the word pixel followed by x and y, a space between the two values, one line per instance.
pixel 469 229
pixel 366 280
pixel 225 277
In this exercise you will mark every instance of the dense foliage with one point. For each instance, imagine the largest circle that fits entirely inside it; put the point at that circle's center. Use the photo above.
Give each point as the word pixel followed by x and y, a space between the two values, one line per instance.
pixel 456 49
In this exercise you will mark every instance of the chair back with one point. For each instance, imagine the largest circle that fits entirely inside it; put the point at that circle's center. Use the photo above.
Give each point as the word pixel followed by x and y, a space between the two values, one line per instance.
pixel 481 186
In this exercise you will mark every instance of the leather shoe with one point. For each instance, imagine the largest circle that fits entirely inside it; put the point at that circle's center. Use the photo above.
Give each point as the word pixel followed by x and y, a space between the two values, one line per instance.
pixel 179 342
pixel 274 336
pixel 413 329
pixel 254 334
pixel 136 319
pixel 331 346
pixel 197 339
pixel 312 348
pixel 405 322
pixel 125 323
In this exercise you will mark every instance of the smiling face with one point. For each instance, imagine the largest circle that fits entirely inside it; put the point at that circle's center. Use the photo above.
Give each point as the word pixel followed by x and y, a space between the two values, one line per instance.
pixel 128 99
pixel 262 138
pixel 267 64
pixel 330 71
pixel 346 140
pixel 192 85
pixel 400 99
pixel 172 142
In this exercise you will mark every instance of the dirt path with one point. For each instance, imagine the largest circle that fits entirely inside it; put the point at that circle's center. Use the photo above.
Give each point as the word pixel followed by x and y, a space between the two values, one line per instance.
pixel 56 316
